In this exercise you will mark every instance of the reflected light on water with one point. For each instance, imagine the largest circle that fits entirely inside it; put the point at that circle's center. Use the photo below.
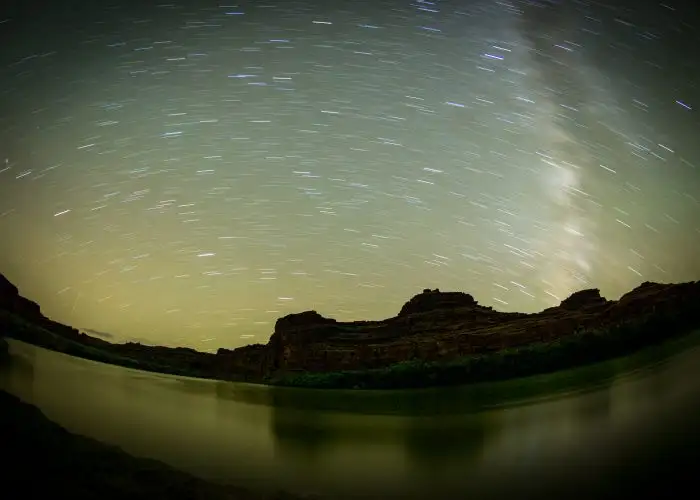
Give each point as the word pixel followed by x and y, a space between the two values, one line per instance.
pixel 537 436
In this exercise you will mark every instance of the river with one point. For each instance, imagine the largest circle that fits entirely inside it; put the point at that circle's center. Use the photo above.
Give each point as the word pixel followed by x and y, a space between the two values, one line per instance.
pixel 585 430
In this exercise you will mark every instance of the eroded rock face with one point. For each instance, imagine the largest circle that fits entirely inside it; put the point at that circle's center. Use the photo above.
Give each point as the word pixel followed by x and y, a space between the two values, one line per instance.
pixel 249 361
pixel 49 334
pixel 433 325
pixel 674 298
pixel 11 300
pixel 433 300
pixel 302 327
pixel 7 288
pixel 438 325
pixel 582 299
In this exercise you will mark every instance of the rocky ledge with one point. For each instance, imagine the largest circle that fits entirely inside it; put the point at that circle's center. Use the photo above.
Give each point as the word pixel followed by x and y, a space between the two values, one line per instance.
pixel 433 326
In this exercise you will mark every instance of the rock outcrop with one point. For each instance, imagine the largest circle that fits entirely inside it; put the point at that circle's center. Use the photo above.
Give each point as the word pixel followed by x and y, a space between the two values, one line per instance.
pixel 431 326
pixel 438 325
pixel 250 362
pixel 583 299
pixel 12 301
pixel 22 319
pixel 433 300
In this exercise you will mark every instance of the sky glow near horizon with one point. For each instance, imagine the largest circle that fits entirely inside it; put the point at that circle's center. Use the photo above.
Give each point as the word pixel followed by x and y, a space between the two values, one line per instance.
pixel 185 174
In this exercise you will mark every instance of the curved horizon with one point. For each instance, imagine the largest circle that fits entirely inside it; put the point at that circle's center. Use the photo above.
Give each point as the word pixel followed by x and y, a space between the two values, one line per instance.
pixel 187 175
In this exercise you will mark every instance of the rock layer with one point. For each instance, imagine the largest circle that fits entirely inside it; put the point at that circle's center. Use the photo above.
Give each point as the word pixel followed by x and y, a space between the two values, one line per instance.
pixel 431 326
pixel 438 325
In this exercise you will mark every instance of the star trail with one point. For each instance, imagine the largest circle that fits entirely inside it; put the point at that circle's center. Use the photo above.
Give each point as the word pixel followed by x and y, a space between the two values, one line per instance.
pixel 185 173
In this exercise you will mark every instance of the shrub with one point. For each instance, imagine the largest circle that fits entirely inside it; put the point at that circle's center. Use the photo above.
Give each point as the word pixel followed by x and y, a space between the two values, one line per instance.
pixel 584 346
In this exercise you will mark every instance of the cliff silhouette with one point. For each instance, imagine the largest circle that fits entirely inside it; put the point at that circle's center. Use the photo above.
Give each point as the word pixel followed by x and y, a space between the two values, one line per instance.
pixel 433 328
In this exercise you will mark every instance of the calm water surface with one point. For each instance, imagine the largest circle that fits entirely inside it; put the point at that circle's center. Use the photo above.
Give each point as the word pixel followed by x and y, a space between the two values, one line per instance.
pixel 583 431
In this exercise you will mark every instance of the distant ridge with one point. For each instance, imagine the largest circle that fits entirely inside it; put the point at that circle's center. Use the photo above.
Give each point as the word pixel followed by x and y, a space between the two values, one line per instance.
pixel 432 327
pixel 96 333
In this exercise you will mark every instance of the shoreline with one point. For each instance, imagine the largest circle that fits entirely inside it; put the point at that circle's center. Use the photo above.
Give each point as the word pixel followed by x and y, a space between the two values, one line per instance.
pixel 584 348
pixel 436 339
pixel 43 456
pixel 581 348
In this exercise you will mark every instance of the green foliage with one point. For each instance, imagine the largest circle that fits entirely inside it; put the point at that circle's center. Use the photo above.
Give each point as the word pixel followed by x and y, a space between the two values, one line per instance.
pixel 585 346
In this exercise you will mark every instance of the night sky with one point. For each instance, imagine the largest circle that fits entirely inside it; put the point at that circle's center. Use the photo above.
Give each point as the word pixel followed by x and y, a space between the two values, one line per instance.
pixel 185 173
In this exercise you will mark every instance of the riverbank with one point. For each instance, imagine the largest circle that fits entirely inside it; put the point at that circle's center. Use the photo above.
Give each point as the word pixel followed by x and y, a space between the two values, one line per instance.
pixel 436 339
pixel 95 349
pixel 39 456
pixel 584 347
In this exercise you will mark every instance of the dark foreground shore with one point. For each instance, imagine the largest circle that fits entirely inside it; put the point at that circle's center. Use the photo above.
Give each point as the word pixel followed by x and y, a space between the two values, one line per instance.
pixel 40 457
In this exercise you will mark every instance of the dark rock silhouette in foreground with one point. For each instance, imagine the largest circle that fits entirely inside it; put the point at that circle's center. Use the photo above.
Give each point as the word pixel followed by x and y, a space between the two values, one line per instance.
pixel 432 326
pixel 42 457
pixel 4 349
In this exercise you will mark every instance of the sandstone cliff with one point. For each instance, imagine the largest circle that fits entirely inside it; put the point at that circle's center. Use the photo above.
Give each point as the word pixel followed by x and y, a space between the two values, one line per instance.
pixel 431 326
pixel 437 325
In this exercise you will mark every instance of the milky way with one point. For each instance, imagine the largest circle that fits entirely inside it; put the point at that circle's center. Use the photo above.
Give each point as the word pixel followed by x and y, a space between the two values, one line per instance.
pixel 186 173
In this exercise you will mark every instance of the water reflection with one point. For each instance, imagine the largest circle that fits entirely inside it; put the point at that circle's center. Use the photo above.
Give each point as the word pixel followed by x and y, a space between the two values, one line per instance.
pixel 430 445
pixel 17 374
pixel 444 400
pixel 307 435
pixel 488 441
